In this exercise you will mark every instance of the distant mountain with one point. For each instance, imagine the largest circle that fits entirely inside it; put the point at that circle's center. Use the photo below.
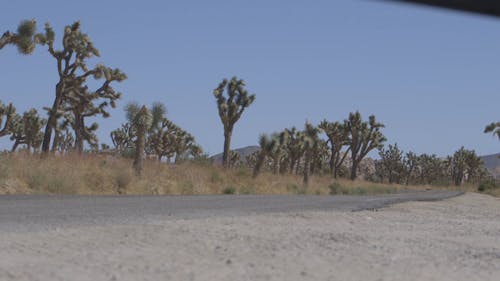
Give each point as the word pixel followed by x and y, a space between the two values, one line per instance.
pixel 243 152
pixel 492 163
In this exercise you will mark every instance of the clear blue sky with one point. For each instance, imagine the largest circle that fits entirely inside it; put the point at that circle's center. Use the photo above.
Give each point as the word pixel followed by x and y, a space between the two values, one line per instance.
pixel 431 76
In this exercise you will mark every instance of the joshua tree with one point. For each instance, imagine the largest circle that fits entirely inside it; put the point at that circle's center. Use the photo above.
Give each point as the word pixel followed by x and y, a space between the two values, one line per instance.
pixel 320 156
pixel 494 128
pixel 280 141
pixel 295 148
pixel 163 137
pixel 123 138
pixel 392 162
pixel 234 159
pixel 80 102
pixel 363 137
pixel 338 137
pixel 73 73
pixel 168 139
pixel 310 142
pixel 8 112
pixel 231 107
pixel 410 162
pixel 267 145
pixel 465 164
pixel 140 119
pixel 27 130
pixel 430 168
pixel 24 39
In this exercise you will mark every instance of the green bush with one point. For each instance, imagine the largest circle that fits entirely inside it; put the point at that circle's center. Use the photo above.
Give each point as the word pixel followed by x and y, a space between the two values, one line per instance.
pixel 292 188
pixel 488 185
pixel 229 190
pixel 335 188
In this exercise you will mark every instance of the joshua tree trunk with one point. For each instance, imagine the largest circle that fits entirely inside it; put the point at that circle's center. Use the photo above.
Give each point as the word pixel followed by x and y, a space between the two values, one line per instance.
pixel 227 147
pixel 332 163
pixel 276 165
pixel 307 168
pixel 292 165
pixel 52 121
pixel 14 147
pixel 55 144
pixel 354 169
pixel 139 151
pixel 78 136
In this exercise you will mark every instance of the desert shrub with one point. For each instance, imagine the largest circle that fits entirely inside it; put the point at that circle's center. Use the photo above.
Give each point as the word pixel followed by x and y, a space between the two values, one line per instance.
pixel 292 188
pixel 295 189
pixel 302 191
pixel 487 185
pixel 335 188
pixel 129 153
pixel 229 190
pixel 50 181
pixel 359 191
pixel 123 179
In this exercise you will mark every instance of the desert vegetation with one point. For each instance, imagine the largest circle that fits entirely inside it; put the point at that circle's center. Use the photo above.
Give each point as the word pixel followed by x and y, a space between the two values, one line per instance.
pixel 152 155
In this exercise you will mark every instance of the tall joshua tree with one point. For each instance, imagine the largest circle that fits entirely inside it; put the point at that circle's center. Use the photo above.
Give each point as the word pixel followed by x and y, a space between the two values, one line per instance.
pixel 141 119
pixel 24 39
pixel 231 107
pixel 338 137
pixel 73 72
pixel 310 142
pixel 494 128
pixel 363 138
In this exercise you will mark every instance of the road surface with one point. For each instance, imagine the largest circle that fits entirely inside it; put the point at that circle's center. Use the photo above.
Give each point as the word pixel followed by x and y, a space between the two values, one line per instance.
pixel 33 212
pixel 228 238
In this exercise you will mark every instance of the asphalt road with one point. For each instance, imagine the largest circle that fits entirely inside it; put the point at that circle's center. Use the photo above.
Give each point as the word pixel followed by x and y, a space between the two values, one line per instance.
pixel 39 212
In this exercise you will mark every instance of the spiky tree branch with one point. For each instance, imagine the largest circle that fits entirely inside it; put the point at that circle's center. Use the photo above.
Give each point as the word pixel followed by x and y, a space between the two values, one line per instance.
pixel 494 128
pixel 7 113
pixel 24 39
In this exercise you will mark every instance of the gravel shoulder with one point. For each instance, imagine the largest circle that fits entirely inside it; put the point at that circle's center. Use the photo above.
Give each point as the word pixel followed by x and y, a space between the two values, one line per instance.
pixel 454 239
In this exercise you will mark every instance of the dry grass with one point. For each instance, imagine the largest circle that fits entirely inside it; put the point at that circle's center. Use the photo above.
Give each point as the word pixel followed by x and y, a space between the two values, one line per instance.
pixel 92 174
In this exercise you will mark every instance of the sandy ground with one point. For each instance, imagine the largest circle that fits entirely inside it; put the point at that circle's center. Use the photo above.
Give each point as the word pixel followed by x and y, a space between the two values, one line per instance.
pixel 455 239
